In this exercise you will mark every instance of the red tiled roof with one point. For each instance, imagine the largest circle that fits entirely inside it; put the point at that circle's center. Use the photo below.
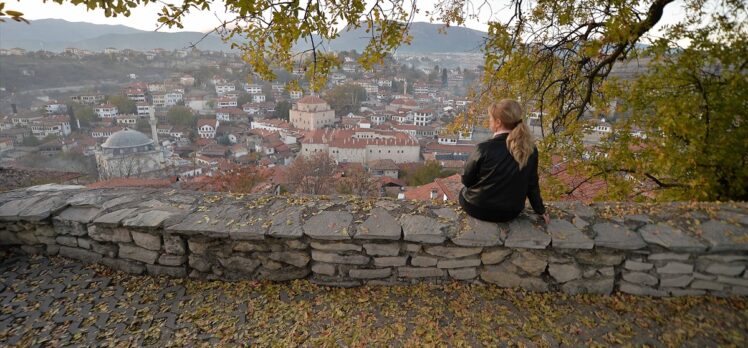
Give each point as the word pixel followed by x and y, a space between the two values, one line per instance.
pixel 449 186
pixel 206 122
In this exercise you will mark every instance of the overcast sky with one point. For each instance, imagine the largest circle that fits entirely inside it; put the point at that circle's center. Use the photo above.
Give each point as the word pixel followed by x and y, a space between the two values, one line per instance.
pixel 144 18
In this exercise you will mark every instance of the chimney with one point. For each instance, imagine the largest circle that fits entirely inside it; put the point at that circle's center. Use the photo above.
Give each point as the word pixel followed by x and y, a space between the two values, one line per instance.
pixel 433 194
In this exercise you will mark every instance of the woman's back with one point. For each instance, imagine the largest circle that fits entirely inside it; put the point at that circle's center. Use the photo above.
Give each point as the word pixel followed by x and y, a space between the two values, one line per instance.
pixel 502 171
pixel 493 180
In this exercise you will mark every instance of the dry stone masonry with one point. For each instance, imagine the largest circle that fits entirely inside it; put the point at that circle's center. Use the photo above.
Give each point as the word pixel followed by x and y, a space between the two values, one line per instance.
pixel 656 250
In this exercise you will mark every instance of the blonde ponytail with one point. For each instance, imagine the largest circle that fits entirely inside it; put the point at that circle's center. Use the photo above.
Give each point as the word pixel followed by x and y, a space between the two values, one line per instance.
pixel 519 142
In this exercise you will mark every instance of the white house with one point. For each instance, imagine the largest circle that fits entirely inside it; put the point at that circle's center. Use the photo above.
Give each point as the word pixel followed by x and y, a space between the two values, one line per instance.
pixel 253 88
pixel 258 98
pixel 206 128
pixel 222 89
pixel 106 111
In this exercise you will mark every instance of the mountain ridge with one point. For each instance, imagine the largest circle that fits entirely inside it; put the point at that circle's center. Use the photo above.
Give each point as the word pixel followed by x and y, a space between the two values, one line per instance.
pixel 57 34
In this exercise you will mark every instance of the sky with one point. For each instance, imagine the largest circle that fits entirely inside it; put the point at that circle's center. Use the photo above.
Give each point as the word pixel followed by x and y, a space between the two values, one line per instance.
pixel 145 17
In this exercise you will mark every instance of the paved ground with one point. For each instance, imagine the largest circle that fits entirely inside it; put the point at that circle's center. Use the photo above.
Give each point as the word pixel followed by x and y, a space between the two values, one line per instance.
pixel 57 302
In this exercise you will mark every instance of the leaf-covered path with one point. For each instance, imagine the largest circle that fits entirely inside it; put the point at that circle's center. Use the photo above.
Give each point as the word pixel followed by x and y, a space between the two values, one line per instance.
pixel 57 302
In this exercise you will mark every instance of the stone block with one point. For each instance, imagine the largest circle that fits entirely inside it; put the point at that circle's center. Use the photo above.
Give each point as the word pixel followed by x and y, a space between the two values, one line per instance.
pixel 504 277
pixel 146 240
pixel 287 224
pixel 724 237
pixel 639 290
pixel 174 245
pixel 43 208
pixel 84 243
pixel 458 263
pixel 707 285
pixel 733 281
pixel 390 249
pixel 52 250
pixel 81 215
pixel 67 241
pixel 106 234
pixel 158 270
pixel 295 258
pixel 106 249
pixel 600 286
pixel 198 245
pixel 668 257
pixel 335 246
pixel 271 265
pixel 334 281
pixel 336 258
pixel 637 266
pixel 114 218
pixel 123 265
pixel 248 247
pixel 296 244
pixel 379 225
pixel 9 238
pixel 676 282
pixel 478 233
pixel 150 218
pixel 80 254
pixel 451 252
pixel 670 238
pixel 564 235
pixel 675 268
pixel 413 248
pixel 599 258
pixel 640 278
pixel 417 228
pixel 463 273
pixel 323 268
pixel 523 234
pixel 132 252
pixel 490 257
pixel 390 261
pixel 240 264
pixel 420 272
pixel 563 273
pixel 172 260
pixel 329 225
pixel 423 261
pixel 615 236
pixel 69 228
pixel 32 249
pixel 370 273
pixel 199 263
pixel 221 221
pixel 725 269
pixel 530 263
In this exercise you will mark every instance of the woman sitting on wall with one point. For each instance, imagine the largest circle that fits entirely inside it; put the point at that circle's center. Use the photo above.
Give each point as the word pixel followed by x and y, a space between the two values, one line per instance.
pixel 503 170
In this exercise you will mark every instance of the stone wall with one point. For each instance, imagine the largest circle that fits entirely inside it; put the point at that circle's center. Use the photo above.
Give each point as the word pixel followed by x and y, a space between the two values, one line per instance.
pixel 659 250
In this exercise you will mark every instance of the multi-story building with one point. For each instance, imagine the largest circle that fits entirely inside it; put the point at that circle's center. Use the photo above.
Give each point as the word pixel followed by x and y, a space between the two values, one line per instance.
pixel 253 88
pixel 106 111
pixel 258 98
pixel 226 102
pixel 312 113
pixel 143 109
pixel 58 125
pixel 55 107
pixel 224 88
pixel 231 115
pixel 423 117
pixel 127 120
pixel 90 99
pixel 362 145
pixel 206 128
pixel 296 94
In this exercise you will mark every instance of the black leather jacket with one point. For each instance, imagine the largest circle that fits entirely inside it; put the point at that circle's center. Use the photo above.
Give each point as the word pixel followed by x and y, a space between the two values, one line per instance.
pixel 493 181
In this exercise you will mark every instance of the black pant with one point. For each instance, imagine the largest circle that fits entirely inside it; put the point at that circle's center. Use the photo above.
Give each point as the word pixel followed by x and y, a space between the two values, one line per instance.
pixel 486 214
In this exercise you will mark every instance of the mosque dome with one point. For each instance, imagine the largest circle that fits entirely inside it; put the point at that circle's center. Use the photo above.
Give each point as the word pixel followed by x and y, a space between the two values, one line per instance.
pixel 126 138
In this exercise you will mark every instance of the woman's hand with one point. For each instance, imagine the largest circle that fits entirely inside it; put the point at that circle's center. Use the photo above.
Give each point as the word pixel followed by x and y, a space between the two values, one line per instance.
pixel 547 218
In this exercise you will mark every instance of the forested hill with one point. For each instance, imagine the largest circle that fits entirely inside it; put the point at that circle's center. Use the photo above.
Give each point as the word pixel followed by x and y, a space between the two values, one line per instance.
pixel 56 35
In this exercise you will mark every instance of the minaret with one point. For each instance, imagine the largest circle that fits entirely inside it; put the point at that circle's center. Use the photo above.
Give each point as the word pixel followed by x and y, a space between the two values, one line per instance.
pixel 154 130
